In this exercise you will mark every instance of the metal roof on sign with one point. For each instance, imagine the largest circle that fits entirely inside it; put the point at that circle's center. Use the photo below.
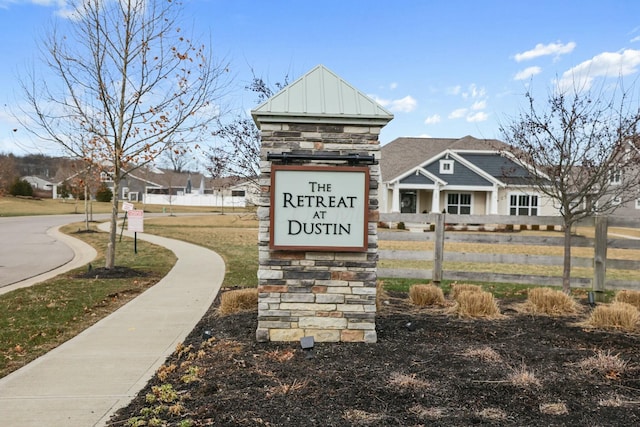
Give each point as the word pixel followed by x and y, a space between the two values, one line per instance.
pixel 321 96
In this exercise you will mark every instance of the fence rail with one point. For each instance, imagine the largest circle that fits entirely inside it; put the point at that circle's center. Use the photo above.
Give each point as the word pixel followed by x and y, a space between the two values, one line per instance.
pixel 444 222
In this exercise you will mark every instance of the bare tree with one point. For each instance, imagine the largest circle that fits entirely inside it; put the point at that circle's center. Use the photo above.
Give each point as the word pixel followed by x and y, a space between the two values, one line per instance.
pixel 8 172
pixel 237 153
pixel 128 80
pixel 583 145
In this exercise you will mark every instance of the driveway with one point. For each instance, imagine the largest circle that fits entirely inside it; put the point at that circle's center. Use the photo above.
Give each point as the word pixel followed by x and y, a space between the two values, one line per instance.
pixel 31 247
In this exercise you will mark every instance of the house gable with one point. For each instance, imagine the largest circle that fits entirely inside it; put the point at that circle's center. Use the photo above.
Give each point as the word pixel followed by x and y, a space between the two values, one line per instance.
pixel 500 167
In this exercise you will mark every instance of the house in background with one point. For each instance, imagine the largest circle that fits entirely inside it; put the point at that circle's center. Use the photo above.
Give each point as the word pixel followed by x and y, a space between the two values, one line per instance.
pixel 160 186
pixel 458 176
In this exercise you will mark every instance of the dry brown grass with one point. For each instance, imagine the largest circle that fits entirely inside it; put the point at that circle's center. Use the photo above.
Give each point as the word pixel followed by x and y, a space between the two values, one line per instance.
pixel 604 363
pixel 401 381
pixel 381 295
pixel 476 304
pixel 523 378
pixel 428 413
pixel 485 354
pixel 550 302
pixel 492 414
pixel 458 288
pixel 554 408
pixel 630 297
pixel 617 315
pixel 359 417
pixel 424 295
pixel 238 300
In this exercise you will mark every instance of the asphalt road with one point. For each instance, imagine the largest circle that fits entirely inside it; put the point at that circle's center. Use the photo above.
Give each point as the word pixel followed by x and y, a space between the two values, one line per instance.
pixel 28 247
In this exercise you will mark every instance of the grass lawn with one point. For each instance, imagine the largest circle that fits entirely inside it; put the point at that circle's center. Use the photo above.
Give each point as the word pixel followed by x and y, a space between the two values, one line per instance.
pixel 39 318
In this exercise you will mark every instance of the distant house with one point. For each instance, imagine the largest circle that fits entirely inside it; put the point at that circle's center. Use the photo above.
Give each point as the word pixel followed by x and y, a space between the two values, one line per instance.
pixel 457 176
pixel 39 183
pixel 152 185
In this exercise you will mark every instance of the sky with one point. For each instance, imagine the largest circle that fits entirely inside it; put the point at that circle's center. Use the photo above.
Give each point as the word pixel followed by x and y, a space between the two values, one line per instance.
pixel 445 69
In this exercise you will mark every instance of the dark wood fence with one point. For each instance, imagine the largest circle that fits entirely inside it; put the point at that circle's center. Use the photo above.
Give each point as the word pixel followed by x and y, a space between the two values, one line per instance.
pixel 438 229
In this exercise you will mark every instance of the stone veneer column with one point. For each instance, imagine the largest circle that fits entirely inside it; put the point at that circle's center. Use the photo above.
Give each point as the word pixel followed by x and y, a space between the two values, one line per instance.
pixel 328 295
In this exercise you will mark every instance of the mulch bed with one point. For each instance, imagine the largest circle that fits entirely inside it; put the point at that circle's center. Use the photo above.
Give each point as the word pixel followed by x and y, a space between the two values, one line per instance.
pixel 427 369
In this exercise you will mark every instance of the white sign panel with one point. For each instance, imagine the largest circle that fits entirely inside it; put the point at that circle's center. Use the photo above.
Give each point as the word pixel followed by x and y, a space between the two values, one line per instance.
pixel 135 221
pixel 319 208
pixel 126 206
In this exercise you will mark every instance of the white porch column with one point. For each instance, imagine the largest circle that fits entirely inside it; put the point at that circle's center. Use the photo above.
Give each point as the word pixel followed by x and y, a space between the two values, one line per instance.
pixel 494 201
pixel 395 202
pixel 435 199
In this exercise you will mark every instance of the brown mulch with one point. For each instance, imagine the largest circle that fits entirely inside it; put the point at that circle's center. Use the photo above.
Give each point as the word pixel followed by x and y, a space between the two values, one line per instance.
pixel 427 369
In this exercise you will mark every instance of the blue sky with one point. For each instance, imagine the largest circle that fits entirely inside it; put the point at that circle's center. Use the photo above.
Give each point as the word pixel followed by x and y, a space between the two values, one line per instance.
pixel 444 68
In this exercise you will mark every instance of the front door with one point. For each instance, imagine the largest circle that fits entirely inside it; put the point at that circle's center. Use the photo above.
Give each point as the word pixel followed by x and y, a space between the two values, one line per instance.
pixel 407 201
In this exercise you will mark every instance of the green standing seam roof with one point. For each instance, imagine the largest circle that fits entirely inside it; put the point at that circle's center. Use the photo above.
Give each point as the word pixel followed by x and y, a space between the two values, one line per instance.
pixel 321 96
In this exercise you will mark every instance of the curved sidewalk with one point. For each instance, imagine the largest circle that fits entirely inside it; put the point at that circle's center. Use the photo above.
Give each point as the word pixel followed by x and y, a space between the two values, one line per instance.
pixel 85 380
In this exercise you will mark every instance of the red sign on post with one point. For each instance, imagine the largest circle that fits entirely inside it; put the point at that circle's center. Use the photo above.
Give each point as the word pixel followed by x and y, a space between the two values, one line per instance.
pixel 136 221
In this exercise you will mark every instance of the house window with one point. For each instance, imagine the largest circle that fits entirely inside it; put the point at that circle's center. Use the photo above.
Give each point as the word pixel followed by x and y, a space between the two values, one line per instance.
pixel 133 196
pixel 637 203
pixel 237 193
pixel 615 177
pixel 616 200
pixel 459 203
pixel 446 167
pixel 125 193
pixel 523 204
pixel 105 177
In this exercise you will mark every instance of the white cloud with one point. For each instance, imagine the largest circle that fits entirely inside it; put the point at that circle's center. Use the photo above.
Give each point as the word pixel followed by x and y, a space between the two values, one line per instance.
pixel 479 105
pixel 480 116
pixel 527 73
pixel 433 119
pixel 635 39
pixel 606 64
pixel 393 86
pixel 556 49
pixel 404 105
pixel 458 114
pixel 455 90
pixel 474 92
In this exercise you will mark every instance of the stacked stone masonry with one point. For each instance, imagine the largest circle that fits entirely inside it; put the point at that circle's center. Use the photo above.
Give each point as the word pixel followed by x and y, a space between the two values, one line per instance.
pixel 328 295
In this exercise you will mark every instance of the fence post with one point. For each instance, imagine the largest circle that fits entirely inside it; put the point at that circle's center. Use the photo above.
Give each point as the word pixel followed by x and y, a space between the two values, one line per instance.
pixel 438 249
pixel 600 257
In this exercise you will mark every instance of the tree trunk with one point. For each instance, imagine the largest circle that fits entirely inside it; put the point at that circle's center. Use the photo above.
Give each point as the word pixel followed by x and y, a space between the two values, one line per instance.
pixel 566 269
pixel 86 208
pixel 111 252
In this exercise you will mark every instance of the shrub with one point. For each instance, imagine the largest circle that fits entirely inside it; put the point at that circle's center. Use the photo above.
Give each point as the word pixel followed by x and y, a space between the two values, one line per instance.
pixel 630 297
pixel 423 295
pixel 104 194
pixel 21 187
pixel 238 300
pixel 617 315
pixel 550 302
pixel 551 228
pixel 456 289
pixel 476 304
pixel 401 226
pixel 535 227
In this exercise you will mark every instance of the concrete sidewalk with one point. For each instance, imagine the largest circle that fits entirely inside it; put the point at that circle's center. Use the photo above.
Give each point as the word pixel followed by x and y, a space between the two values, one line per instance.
pixel 85 380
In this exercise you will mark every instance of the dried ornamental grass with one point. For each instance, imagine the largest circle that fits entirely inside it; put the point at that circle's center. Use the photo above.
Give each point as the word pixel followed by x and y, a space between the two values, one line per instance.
pixel 550 302
pixel 630 297
pixel 423 295
pixel 381 295
pixel 476 304
pixel 617 315
pixel 604 363
pixel 524 378
pixel 456 289
pixel 238 300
